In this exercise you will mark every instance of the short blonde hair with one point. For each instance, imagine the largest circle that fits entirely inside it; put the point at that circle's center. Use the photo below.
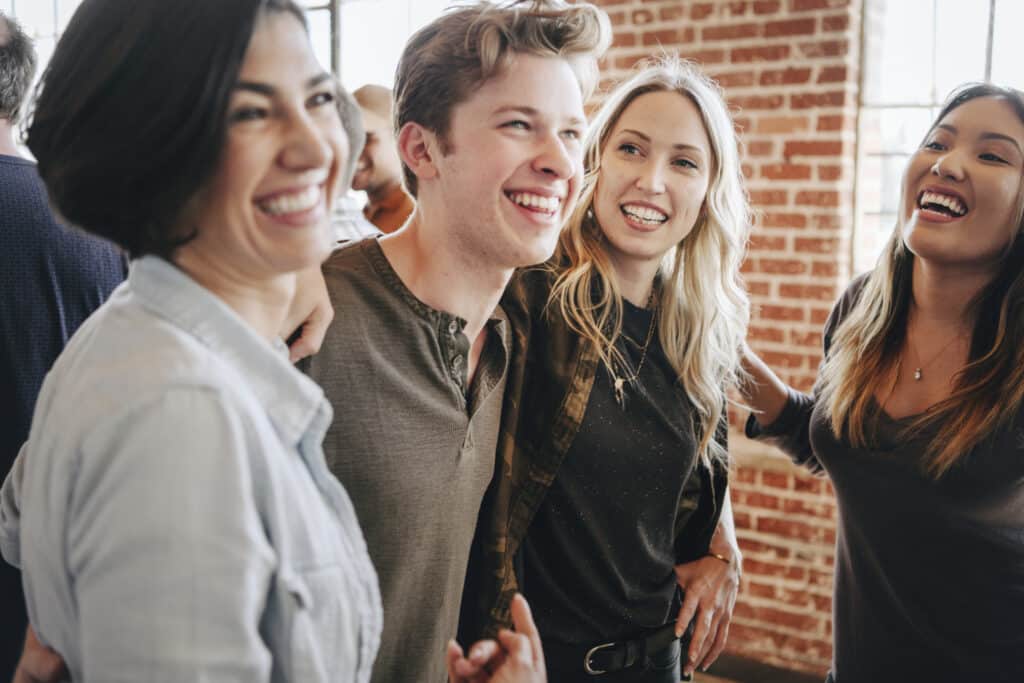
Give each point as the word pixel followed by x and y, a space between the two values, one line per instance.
pixel 444 62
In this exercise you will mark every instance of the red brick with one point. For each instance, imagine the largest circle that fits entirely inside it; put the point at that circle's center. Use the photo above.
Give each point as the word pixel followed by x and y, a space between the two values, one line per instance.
pixel 810 5
pixel 812 339
pixel 768 197
pixel 786 172
pixel 701 10
pixel 783 220
pixel 760 590
pixel 789 528
pixel 760 500
pixel 830 172
pixel 817 198
pixel 782 360
pixel 827 221
pixel 759 288
pixel 816 245
pixel 813 148
pixel 760 148
pixel 624 39
pixel 668 36
pixel 765 53
pixel 743 521
pixel 736 79
pixel 767 334
pixel 827 48
pixel 747 170
pixel 782 124
pixel 642 16
pixel 731 32
pixel 775 312
pixel 767 6
pixel 789 27
pixel 820 315
pixel 818 99
pixel 790 76
pixel 824 269
pixel 781 266
pixel 816 292
pixel 751 102
pixel 801 507
pixel 704 56
pixel 745 475
pixel 808 484
pixel 763 243
pixel 737 8
pixel 673 13
pixel 839 22
pixel 776 480
pixel 832 74
pixel 617 18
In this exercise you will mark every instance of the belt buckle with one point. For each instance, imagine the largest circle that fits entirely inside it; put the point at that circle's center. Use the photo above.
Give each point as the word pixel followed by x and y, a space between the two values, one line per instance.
pixel 590 653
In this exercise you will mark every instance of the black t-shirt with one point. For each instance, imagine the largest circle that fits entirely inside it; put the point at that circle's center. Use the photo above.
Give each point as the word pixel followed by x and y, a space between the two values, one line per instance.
pixel 597 562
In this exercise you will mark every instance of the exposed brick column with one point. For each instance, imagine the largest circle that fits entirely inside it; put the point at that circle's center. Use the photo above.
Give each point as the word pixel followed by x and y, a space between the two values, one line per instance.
pixel 790 69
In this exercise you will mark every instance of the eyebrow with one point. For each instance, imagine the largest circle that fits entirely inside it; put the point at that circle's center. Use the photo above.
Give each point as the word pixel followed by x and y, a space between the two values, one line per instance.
pixel 270 91
pixel 647 138
pixel 986 135
pixel 531 111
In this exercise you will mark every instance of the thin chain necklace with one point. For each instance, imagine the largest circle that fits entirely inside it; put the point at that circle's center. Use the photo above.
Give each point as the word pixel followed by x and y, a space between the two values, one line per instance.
pixel 619 382
pixel 918 374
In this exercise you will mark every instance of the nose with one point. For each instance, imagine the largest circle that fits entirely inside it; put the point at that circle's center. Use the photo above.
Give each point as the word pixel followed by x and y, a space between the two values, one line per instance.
pixel 307 143
pixel 651 179
pixel 555 159
pixel 949 166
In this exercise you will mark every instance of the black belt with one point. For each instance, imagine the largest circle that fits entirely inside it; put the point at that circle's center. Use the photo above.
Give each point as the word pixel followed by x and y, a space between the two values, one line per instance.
pixel 607 657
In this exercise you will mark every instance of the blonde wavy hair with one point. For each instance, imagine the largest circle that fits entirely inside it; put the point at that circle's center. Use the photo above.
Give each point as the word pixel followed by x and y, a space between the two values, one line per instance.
pixel 446 61
pixel 866 346
pixel 703 308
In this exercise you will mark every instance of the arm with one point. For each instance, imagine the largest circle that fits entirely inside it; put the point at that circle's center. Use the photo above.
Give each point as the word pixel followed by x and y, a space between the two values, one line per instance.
pixel 309 316
pixel 170 563
pixel 10 512
pixel 710 585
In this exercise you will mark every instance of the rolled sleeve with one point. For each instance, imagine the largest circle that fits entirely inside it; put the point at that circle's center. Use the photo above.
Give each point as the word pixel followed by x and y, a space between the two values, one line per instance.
pixel 165 546
pixel 10 512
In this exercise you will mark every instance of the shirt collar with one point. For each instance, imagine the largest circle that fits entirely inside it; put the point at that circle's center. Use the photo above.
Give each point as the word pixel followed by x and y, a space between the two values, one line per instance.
pixel 291 400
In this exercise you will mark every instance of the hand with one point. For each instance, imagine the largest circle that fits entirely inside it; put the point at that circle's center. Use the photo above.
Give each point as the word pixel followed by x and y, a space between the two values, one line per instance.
pixel 516 657
pixel 709 588
pixel 310 314
pixel 39 664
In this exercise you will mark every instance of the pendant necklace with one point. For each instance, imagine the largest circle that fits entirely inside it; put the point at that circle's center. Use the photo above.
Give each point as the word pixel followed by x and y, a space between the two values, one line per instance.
pixel 619 382
pixel 918 371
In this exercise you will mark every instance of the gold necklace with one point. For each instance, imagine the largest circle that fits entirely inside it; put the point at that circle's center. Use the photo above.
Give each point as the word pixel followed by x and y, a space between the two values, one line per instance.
pixel 619 382
pixel 921 366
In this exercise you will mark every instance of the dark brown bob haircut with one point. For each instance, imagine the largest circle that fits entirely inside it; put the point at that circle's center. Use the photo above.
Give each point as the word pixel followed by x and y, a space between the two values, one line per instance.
pixel 131 115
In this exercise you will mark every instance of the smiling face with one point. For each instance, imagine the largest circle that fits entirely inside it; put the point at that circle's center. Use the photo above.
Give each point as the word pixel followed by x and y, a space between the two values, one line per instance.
pixel 513 166
pixel 265 210
pixel 654 176
pixel 961 189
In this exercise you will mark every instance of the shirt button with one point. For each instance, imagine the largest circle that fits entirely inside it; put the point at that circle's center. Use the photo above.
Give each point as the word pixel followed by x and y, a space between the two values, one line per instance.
pixel 457 364
pixel 453 327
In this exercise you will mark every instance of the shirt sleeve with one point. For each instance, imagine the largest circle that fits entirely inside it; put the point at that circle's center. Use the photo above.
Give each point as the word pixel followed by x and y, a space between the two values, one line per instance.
pixel 166 550
pixel 10 512
pixel 791 430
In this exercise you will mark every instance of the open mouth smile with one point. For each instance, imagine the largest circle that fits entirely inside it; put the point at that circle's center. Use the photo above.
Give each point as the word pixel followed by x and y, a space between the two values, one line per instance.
pixel 644 215
pixel 536 203
pixel 944 205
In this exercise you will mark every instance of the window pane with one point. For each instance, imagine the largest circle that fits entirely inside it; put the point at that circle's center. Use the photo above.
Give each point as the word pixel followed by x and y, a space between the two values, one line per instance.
pixel 961 32
pixel 1007 45
pixel 320 35
pixel 900 66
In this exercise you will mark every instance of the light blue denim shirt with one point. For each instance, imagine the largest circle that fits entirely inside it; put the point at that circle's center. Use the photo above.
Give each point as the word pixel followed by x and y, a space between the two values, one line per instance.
pixel 172 512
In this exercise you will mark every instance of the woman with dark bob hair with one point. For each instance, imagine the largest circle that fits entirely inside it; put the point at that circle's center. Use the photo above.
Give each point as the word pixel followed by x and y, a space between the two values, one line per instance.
pixel 918 415
pixel 171 511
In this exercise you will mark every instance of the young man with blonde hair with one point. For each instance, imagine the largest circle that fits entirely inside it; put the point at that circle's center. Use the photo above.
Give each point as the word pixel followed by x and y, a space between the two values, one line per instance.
pixel 489 116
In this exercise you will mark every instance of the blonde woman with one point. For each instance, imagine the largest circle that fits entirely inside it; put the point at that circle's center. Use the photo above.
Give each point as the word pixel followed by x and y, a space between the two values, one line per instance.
pixel 614 477
pixel 918 415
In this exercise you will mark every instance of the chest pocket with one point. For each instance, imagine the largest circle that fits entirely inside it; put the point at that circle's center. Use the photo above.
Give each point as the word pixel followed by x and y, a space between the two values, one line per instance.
pixel 316 628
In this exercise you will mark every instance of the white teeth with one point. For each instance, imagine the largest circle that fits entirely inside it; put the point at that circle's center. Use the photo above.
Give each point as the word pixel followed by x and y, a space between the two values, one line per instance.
pixel 292 203
pixel 952 203
pixel 644 214
pixel 536 201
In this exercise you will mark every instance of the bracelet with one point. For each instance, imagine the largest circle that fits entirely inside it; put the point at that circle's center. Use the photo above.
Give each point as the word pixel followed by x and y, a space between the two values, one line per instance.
pixel 723 558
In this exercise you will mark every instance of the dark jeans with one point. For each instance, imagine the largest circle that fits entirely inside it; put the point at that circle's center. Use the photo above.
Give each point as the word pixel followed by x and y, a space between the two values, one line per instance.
pixel 829 678
pixel 664 668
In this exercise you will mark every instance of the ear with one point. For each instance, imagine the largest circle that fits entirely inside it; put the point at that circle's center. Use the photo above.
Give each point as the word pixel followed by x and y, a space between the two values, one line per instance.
pixel 418 148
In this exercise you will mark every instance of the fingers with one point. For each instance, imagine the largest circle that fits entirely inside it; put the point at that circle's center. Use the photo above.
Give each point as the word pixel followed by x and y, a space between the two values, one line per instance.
pixel 314 329
pixel 522 618
pixel 39 664
pixel 691 600
pixel 700 632
pixel 718 645
pixel 451 658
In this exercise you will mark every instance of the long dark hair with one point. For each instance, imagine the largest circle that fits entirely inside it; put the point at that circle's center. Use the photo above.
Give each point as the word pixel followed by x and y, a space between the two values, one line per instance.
pixel 989 390
pixel 130 118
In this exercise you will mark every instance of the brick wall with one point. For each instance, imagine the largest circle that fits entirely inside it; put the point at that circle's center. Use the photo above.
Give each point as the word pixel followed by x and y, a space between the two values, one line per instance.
pixel 790 69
